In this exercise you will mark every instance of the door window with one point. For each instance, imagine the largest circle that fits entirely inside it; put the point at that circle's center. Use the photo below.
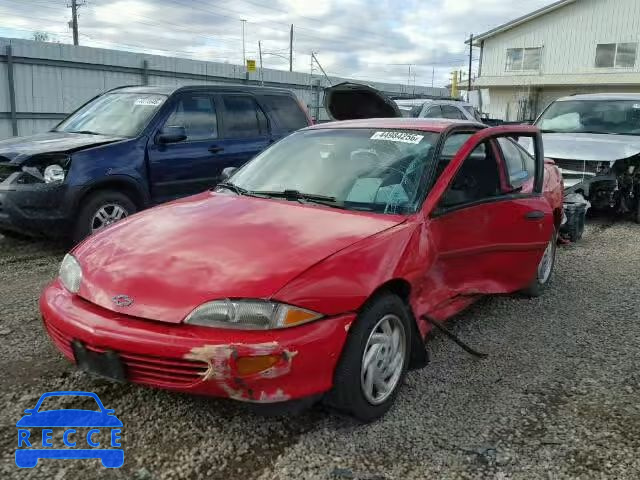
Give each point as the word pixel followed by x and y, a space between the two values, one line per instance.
pixel 433 111
pixel 197 114
pixel 449 111
pixel 477 179
pixel 243 117
pixel 286 112
pixel 520 165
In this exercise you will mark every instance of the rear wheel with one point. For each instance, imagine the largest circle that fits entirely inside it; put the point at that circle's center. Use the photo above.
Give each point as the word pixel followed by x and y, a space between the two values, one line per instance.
pixel 374 360
pixel 100 210
pixel 545 268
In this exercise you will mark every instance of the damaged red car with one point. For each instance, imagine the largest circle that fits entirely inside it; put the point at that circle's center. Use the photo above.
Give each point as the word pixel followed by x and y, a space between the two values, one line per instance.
pixel 315 271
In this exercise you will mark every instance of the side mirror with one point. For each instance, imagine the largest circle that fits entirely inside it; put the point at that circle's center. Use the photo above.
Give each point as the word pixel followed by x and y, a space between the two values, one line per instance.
pixel 227 172
pixel 172 134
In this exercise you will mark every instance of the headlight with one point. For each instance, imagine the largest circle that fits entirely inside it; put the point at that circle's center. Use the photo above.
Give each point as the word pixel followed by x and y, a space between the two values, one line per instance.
pixel 53 174
pixel 249 315
pixel 70 273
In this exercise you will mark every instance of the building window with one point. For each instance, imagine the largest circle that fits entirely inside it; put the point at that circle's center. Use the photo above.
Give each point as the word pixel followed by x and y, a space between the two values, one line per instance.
pixel 523 59
pixel 616 55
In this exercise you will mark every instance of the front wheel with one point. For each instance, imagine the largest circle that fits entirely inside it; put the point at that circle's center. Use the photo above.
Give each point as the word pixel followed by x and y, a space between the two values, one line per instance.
pixel 545 268
pixel 374 360
pixel 100 210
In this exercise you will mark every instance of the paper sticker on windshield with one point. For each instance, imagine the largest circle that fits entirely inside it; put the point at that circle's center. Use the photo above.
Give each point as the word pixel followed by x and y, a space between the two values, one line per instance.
pixel 636 106
pixel 398 137
pixel 148 102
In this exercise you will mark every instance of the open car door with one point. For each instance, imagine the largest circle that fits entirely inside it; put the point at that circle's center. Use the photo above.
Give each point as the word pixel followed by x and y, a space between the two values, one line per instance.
pixel 490 226
pixel 352 101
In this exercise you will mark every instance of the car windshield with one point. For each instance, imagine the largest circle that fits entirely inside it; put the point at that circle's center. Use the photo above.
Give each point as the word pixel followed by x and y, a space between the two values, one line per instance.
pixel 118 114
pixel 377 170
pixel 620 117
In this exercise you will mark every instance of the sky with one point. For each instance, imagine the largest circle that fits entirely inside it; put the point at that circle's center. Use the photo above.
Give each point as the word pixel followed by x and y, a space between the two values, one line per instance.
pixel 399 41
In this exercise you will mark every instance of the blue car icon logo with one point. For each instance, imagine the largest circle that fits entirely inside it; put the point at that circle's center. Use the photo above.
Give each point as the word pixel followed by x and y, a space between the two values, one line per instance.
pixel 69 433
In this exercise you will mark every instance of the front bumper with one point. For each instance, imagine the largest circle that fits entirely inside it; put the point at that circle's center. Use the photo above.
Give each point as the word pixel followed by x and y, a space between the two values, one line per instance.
pixel 35 209
pixel 201 360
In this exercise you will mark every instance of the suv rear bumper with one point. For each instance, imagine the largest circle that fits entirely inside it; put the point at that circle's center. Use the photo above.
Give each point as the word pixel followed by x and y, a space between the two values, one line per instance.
pixel 35 210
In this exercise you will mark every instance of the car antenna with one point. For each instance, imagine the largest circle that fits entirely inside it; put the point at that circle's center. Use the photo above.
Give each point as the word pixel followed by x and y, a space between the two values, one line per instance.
pixel 448 333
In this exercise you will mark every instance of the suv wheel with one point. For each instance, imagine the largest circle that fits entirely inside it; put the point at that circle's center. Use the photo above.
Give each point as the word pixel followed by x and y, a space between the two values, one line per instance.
pixel 102 209
pixel 374 360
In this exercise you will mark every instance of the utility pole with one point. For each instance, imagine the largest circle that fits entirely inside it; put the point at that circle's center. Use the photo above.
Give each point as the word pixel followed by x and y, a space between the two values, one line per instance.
pixel 433 75
pixel 291 49
pixel 470 60
pixel 261 70
pixel 74 19
pixel 313 57
pixel 244 53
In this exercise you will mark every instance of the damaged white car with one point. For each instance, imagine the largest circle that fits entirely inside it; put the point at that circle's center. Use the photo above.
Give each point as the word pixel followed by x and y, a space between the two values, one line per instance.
pixel 595 140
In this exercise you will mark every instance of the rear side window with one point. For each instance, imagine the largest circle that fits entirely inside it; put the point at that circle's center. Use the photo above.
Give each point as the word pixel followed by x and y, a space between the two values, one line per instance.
pixel 473 112
pixel 197 114
pixel 520 165
pixel 431 111
pixel 449 111
pixel 285 111
pixel 243 118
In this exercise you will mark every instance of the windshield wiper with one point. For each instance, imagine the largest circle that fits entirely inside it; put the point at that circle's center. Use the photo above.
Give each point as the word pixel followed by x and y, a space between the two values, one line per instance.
pixel 597 132
pixel 301 197
pixel 87 132
pixel 233 187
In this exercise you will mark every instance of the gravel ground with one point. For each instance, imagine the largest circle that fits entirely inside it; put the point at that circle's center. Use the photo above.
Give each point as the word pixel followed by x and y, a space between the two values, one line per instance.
pixel 558 397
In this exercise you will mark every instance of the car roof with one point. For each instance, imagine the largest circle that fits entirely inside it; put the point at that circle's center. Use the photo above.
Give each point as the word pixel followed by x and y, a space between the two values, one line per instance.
pixel 601 96
pixel 436 125
pixel 437 101
pixel 169 89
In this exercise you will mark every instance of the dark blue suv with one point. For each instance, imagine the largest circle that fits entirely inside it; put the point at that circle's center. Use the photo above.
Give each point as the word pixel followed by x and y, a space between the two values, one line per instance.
pixel 135 147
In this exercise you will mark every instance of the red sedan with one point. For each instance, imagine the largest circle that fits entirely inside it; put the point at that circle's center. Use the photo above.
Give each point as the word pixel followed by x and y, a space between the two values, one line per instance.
pixel 314 271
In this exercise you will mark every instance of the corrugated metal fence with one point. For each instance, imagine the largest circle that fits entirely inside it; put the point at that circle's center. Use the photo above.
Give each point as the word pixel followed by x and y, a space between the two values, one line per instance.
pixel 42 82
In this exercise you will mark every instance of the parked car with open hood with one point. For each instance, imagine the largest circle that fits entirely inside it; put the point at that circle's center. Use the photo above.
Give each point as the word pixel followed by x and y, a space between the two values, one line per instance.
pixel 595 140
pixel 317 269
pixel 134 147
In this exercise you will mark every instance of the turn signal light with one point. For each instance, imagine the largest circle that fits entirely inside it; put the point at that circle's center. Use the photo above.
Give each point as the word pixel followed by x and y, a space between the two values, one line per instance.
pixel 257 364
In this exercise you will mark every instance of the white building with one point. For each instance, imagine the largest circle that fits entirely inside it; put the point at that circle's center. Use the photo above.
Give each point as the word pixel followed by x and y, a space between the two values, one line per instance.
pixel 570 46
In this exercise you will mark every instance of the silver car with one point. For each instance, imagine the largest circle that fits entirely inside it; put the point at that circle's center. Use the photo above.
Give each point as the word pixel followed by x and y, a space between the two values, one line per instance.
pixel 430 108
pixel 595 140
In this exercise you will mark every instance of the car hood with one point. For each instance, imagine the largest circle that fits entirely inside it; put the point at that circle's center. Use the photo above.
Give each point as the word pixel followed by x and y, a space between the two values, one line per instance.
pixel 588 146
pixel 353 101
pixel 69 418
pixel 171 259
pixel 17 150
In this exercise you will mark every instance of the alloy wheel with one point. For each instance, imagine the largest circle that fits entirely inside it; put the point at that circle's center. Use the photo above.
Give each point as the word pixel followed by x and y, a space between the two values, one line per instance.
pixel 107 215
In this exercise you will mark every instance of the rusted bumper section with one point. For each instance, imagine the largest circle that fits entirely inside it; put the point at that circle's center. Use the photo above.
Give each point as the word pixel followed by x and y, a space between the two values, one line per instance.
pixel 253 366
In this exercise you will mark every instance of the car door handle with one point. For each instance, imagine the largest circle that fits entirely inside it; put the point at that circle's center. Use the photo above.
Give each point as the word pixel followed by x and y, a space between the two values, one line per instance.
pixel 535 215
pixel 216 149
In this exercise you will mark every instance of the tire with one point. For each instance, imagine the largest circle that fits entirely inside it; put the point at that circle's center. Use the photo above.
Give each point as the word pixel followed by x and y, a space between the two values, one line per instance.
pixel 110 200
pixel 637 216
pixel 542 280
pixel 348 393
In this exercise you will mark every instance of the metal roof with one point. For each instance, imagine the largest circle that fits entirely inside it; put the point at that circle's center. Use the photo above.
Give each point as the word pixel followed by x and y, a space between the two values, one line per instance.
pixel 602 96
pixel 520 20
pixel 170 89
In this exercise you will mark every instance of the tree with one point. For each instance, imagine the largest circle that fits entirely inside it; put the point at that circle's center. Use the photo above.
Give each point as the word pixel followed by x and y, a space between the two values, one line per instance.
pixel 41 36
